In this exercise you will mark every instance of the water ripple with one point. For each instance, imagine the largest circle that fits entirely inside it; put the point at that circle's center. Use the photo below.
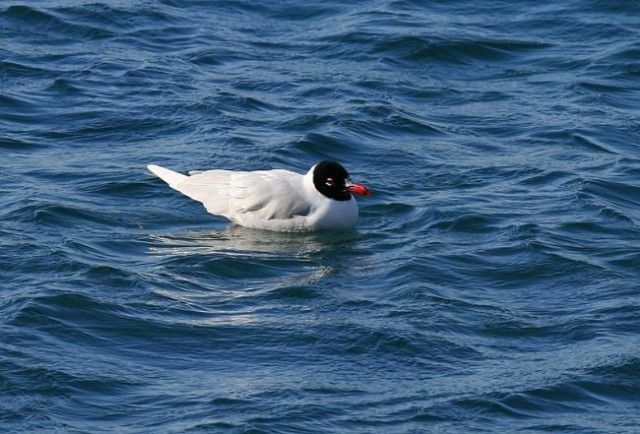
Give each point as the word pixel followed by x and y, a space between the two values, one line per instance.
pixel 490 286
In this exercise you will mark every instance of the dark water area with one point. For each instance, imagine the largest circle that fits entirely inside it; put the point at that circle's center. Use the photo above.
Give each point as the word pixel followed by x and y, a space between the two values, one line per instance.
pixel 492 283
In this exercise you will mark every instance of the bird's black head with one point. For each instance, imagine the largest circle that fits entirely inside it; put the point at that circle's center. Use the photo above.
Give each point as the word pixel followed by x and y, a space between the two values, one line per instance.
pixel 331 179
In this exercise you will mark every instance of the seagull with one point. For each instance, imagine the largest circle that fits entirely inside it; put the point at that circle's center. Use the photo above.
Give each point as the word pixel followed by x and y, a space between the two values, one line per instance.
pixel 276 200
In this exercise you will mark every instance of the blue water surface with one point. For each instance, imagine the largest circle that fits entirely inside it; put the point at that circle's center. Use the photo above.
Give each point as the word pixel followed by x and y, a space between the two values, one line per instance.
pixel 492 284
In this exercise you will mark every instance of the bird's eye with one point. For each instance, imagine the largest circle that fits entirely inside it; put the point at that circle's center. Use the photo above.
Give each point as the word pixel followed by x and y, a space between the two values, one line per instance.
pixel 330 182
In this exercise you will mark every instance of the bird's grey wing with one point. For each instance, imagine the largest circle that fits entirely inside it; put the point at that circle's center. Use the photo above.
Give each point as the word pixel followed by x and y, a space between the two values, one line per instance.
pixel 263 194
pixel 267 195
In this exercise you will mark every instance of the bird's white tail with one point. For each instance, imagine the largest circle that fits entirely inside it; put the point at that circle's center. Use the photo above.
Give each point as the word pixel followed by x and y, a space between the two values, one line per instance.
pixel 169 176
pixel 192 186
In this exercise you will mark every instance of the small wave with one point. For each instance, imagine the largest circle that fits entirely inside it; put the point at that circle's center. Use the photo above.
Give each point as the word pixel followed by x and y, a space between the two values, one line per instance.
pixel 17 145
pixel 70 215
pixel 52 21
pixel 612 199
pixel 422 49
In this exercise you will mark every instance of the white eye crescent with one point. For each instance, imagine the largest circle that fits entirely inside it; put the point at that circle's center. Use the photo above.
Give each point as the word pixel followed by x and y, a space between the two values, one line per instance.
pixel 330 182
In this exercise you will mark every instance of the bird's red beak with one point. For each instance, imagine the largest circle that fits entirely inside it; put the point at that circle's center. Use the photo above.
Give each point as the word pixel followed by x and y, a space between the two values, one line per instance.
pixel 357 189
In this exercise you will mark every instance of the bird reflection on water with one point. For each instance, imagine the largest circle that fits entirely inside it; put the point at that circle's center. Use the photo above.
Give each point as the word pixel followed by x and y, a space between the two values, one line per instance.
pixel 245 242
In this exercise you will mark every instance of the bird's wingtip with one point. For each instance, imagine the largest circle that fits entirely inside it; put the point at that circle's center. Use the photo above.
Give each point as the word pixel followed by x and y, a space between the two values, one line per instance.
pixel 155 169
